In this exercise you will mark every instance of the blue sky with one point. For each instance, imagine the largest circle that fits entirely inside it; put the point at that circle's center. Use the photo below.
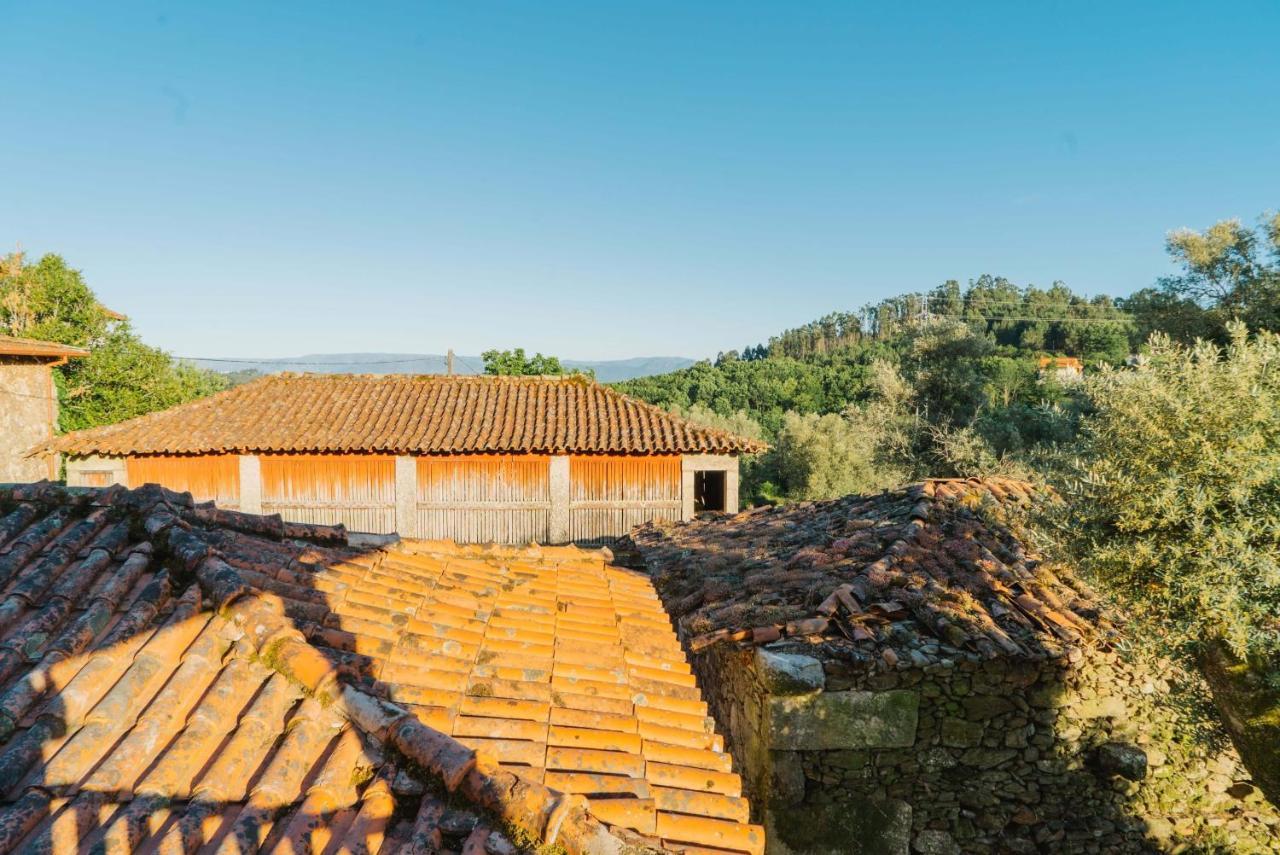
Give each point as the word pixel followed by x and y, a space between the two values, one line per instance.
pixel 603 180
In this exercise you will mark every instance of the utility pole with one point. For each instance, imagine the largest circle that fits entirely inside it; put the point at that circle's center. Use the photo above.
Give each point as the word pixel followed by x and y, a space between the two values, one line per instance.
pixel 450 359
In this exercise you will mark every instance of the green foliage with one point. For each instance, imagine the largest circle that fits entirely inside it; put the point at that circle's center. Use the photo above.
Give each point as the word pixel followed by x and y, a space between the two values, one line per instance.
pixel 739 423
pixel 764 389
pixel 941 398
pixel 1176 488
pixel 823 457
pixel 121 377
pixel 515 362
pixel 944 364
pixel 1026 319
pixel 1228 271
pixel 49 301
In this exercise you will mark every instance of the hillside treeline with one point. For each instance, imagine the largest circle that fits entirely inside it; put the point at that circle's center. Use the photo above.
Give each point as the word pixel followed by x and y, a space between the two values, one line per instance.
pixel 1024 318
pixel 1167 449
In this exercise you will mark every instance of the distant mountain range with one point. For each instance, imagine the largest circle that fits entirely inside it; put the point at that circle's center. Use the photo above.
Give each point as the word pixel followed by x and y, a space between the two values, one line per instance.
pixel 607 371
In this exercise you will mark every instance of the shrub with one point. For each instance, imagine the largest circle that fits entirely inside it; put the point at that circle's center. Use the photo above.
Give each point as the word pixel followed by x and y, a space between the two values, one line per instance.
pixel 1176 489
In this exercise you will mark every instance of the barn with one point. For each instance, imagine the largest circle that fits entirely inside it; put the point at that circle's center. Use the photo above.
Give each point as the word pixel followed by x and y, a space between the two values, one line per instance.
pixel 470 459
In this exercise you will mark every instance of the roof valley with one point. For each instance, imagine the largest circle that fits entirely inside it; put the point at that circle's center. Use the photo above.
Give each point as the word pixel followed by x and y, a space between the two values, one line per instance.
pixel 157 700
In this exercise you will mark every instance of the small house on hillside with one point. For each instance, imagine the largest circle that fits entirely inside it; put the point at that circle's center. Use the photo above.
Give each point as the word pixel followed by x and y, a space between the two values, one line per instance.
pixel 472 459
pixel 902 672
pixel 1065 369
pixel 29 405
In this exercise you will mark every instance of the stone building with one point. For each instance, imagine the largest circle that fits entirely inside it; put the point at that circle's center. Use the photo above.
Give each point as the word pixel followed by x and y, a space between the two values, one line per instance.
pixel 29 405
pixel 471 459
pixel 900 672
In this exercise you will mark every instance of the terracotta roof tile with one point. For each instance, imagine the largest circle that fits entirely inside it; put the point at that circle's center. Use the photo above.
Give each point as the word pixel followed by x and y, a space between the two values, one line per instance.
pixel 936 565
pixel 173 677
pixel 402 414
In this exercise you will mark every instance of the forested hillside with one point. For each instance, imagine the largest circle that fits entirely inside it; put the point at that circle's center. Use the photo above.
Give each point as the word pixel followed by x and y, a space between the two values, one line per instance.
pixel 943 382
pixel 947 381
pixel 1166 450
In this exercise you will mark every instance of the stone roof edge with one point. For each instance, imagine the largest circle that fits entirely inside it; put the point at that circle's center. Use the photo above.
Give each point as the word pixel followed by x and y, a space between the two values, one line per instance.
pixel 547 815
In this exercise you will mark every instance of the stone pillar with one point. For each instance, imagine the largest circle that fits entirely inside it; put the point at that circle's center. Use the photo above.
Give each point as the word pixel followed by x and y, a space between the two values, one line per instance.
pixel 558 528
pixel 686 491
pixel 250 484
pixel 407 496
pixel 731 486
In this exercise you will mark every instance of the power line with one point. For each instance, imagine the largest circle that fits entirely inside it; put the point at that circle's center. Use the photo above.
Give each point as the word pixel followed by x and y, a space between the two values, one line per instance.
pixel 1030 318
pixel 301 362
pixel 24 395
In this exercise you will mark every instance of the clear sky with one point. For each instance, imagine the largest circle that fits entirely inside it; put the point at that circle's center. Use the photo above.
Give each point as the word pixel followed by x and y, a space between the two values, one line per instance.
pixel 603 180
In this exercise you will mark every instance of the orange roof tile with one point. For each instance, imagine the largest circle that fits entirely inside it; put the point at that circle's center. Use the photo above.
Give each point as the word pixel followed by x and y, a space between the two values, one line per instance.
pixel 400 414
pixel 177 676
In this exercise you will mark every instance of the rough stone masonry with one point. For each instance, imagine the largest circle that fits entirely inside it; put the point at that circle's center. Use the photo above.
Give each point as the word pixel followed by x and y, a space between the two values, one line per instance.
pixel 959 696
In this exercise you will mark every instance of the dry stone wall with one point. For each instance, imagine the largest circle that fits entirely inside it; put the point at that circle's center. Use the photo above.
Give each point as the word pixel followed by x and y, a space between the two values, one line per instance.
pixel 951 753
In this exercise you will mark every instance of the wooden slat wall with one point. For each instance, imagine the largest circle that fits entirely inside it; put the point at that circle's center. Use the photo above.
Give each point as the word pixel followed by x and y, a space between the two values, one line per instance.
pixel 207 477
pixel 484 498
pixel 357 490
pixel 96 479
pixel 608 496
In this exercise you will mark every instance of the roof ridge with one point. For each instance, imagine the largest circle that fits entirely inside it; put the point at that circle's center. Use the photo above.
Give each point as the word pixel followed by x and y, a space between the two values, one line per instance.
pixel 366 413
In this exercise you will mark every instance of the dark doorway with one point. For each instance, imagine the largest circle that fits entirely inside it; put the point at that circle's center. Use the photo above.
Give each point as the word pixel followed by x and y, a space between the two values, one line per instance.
pixel 708 491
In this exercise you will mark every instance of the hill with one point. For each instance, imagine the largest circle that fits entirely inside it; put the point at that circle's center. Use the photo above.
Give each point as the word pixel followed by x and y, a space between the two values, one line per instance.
pixel 606 371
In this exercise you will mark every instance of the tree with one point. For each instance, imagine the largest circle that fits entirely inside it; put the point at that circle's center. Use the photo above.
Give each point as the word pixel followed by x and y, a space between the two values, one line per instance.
pixel 1231 270
pixel 1157 310
pixel 943 364
pixel 122 377
pixel 49 301
pixel 1176 490
pixel 823 457
pixel 514 362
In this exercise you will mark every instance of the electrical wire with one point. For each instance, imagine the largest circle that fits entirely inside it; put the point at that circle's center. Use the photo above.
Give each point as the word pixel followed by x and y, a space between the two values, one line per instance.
pixel 1029 318
pixel 301 362
pixel 25 395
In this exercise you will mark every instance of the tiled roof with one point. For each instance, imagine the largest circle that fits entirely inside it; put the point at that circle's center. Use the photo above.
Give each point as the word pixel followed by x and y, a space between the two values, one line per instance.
pixel 401 414
pixel 10 346
pixel 940 563
pixel 175 676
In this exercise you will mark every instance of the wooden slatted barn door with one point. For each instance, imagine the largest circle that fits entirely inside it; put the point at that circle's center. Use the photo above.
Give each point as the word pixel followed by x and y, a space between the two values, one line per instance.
pixel 210 477
pixel 491 498
pixel 357 490
pixel 608 496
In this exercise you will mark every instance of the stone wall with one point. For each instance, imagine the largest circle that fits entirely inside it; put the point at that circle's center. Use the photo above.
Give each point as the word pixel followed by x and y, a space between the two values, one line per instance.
pixel 844 752
pixel 28 411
